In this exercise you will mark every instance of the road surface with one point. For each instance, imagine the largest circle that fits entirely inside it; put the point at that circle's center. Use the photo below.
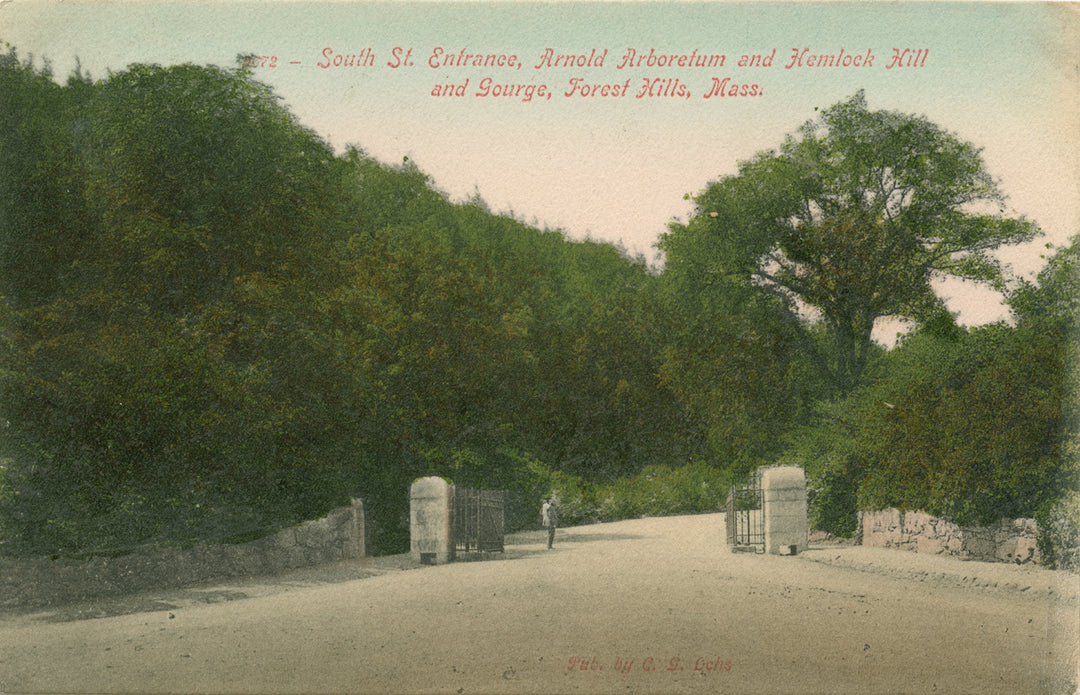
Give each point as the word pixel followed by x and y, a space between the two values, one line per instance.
pixel 648 605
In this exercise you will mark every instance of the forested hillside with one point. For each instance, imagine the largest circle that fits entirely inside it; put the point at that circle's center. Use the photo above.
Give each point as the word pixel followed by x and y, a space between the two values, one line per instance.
pixel 213 325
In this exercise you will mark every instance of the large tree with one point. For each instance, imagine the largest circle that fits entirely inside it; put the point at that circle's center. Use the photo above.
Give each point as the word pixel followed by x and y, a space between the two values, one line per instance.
pixel 162 349
pixel 850 220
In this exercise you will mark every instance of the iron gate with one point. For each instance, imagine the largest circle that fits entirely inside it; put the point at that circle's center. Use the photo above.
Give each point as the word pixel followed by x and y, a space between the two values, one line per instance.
pixel 476 520
pixel 746 517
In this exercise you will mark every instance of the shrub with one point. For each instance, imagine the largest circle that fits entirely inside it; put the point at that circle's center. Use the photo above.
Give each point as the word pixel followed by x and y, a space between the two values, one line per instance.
pixel 833 507
pixel 827 452
pixel 661 490
pixel 531 480
pixel 1060 540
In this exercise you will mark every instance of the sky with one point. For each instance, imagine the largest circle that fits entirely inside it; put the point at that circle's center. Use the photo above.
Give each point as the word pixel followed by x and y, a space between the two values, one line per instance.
pixel 612 166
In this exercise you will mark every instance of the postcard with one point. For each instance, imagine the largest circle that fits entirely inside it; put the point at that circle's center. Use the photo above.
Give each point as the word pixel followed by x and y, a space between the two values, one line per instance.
pixel 628 141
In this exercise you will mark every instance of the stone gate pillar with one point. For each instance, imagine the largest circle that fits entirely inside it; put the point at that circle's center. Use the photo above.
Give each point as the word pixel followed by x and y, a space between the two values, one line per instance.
pixel 355 535
pixel 430 541
pixel 787 528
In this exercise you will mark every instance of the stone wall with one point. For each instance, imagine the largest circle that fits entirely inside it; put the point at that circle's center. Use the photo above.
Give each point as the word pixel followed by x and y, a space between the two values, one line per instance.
pixel 1014 541
pixel 39 582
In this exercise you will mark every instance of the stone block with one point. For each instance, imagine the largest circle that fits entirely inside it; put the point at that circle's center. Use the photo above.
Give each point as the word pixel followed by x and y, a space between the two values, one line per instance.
pixel 354 542
pixel 314 534
pixel 884 528
pixel 285 539
pixel 890 519
pixel 784 508
pixel 978 543
pixel 929 544
pixel 337 523
pixel 429 521
pixel 1017 541
pixel 918 523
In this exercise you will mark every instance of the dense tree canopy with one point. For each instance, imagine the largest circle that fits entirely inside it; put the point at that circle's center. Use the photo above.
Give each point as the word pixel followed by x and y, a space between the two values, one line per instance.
pixel 973 425
pixel 853 217
pixel 212 325
pixel 970 430
pixel 1054 300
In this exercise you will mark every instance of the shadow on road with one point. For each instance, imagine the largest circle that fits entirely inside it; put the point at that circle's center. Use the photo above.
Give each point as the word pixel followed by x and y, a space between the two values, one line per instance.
pixel 569 535
pixel 589 537
pixel 519 546
pixel 251 587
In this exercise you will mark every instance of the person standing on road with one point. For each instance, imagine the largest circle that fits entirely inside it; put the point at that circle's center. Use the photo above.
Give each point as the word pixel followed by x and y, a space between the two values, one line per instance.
pixel 549 518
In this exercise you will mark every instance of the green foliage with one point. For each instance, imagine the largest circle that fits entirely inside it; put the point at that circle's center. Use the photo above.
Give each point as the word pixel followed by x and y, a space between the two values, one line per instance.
pixel 211 326
pixel 40 203
pixel 577 498
pixel 826 449
pixel 851 217
pixel 844 223
pixel 1055 298
pixel 972 426
pixel 233 328
pixel 1052 308
pixel 742 379
pixel 656 490
pixel 165 373
pixel 834 508
pixel 661 490
pixel 732 352
pixel 199 179
pixel 1060 541
pixel 968 431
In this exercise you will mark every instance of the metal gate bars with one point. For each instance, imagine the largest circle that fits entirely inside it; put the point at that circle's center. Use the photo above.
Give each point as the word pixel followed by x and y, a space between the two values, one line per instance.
pixel 476 520
pixel 746 517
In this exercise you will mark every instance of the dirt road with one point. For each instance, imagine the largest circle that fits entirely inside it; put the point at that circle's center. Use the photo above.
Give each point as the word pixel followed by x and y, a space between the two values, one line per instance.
pixel 650 605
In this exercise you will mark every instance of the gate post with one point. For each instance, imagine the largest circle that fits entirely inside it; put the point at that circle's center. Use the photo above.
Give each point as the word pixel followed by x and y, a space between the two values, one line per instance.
pixel 786 524
pixel 430 539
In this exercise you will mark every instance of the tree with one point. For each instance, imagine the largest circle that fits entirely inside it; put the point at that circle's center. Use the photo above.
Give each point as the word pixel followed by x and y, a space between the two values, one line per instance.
pixel 1055 298
pixel 852 218
pixel 199 177
pixel 166 354
pixel 732 354
pixel 739 372
pixel 1051 308
pixel 969 430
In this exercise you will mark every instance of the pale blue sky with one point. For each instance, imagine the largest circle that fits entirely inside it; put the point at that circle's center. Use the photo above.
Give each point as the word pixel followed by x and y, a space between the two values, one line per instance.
pixel 1003 75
